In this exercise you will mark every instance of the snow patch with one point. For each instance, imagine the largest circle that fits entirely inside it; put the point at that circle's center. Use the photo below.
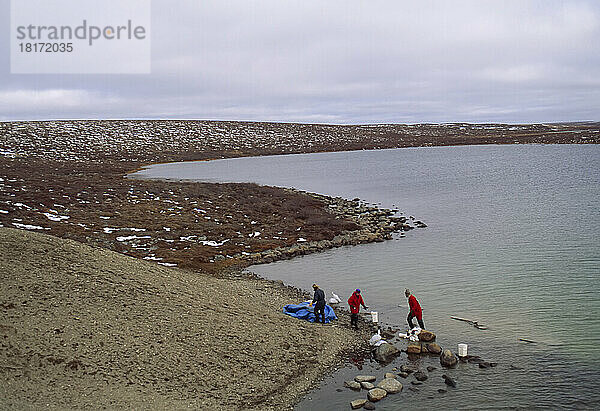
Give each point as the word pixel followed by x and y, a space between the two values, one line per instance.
pixel 132 237
pixel 56 217
pixel 213 243
pixel 29 227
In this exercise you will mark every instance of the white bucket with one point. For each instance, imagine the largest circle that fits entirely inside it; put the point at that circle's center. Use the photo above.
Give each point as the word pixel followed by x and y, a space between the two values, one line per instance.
pixel 462 350
pixel 375 316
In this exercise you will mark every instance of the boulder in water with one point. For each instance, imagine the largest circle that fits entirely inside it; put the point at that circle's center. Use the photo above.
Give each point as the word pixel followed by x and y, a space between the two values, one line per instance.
pixel 448 359
pixel 449 381
pixel 353 385
pixel 386 353
pixel 367 385
pixel 413 348
pixel 420 376
pixel 376 394
pixel 426 336
pixel 365 378
pixel 434 348
pixel 359 403
pixel 390 385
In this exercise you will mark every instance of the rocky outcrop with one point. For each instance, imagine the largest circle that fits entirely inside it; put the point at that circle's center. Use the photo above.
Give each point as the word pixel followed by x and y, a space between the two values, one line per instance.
pixel 448 359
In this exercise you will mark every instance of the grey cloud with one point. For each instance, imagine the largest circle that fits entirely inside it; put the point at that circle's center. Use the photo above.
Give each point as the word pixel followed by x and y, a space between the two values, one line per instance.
pixel 343 62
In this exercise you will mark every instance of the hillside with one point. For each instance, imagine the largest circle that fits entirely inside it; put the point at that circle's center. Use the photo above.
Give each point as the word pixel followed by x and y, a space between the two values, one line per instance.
pixel 85 327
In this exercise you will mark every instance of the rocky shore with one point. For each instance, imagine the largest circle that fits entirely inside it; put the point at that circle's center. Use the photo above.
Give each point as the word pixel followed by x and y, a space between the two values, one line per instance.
pixel 375 225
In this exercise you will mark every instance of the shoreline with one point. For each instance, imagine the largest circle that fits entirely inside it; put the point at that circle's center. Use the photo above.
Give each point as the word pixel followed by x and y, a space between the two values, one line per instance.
pixel 61 184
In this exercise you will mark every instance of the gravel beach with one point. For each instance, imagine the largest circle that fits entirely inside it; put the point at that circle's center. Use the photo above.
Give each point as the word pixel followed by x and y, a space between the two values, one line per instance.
pixel 85 327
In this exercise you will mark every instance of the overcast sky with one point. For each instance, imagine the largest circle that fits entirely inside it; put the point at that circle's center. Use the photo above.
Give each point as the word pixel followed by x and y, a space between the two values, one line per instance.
pixel 342 62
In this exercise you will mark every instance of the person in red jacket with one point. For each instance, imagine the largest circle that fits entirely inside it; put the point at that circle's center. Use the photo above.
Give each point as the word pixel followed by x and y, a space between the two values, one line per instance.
pixel 355 301
pixel 415 310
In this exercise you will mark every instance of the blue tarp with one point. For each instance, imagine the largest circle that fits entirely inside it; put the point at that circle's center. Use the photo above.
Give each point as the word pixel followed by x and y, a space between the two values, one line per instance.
pixel 304 312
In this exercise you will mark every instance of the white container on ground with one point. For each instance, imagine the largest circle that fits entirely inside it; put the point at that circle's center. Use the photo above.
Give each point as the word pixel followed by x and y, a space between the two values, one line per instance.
pixel 462 350
pixel 375 316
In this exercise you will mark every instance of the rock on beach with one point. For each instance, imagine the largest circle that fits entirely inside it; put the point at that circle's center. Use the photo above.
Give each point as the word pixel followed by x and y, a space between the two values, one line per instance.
pixel 365 378
pixel 386 353
pixel 390 385
pixel 448 359
pixel 376 394
pixel 449 381
pixel 358 403
pixel 426 336
pixel 413 348
pixel 369 406
pixel 353 385
pixel 367 385
pixel 420 376
pixel 434 348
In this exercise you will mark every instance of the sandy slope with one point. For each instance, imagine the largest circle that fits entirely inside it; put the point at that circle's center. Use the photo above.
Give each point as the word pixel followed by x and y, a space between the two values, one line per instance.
pixel 86 327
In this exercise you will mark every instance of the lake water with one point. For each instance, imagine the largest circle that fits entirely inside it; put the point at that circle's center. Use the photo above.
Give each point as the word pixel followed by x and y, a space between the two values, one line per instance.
pixel 512 242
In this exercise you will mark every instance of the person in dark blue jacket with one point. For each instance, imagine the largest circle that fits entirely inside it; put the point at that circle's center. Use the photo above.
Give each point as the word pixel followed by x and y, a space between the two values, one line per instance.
pixel 319 303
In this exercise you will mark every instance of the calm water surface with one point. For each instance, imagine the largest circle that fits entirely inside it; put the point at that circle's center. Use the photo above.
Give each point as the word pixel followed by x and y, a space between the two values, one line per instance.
pixel 512 242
